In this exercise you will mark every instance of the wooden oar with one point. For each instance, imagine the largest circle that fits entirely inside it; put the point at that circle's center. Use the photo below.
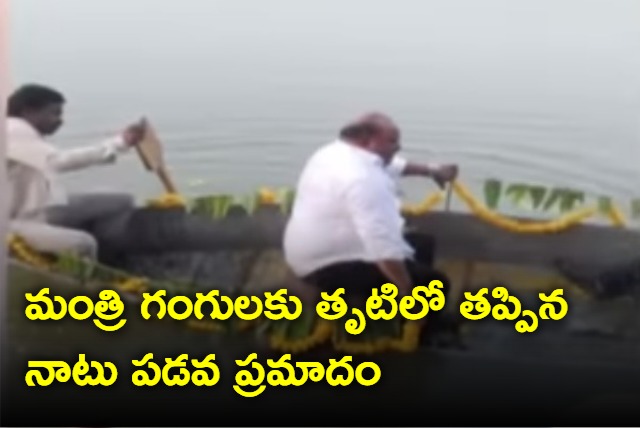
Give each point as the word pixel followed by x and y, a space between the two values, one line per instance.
pixel 152 156
pixel 447 203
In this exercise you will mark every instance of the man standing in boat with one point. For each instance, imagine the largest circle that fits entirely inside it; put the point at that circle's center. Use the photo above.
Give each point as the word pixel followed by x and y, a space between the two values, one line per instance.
pixel 346 228
pixel 40 210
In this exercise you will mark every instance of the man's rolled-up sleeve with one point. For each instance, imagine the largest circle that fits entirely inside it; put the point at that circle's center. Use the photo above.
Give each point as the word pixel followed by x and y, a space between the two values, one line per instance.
pixel 372 207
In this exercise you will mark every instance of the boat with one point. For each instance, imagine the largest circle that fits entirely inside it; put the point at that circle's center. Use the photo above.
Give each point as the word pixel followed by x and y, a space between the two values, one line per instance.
pixel 233 244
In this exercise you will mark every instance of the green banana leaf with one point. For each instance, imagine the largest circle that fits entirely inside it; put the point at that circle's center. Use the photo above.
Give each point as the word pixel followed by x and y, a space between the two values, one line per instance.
pixel 553 198
pixel 286 197
pixel 537 195
pixel 604 204
pixel 492 190
pixel 517 192
pixel 215 206
pixel 635 208
pixel 74 267
pixel 248 202
pixel 570 198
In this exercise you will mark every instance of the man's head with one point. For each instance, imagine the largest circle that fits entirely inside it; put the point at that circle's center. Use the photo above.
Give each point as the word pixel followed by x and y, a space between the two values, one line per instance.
pixel 39 105
pixel 375 132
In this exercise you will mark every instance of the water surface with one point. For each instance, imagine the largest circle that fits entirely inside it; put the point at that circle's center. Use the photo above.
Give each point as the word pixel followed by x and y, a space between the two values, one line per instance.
pixel 242 92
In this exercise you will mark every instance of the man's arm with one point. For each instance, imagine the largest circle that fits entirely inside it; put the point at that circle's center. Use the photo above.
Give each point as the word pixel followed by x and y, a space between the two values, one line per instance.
pixel 373 210
pixel 424 170
pixel 440 173
pixel 105 153
pixel 67 160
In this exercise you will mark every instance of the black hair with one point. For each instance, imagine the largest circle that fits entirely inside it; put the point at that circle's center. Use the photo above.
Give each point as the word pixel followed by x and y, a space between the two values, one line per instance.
pixel 359 131
pixel 32 97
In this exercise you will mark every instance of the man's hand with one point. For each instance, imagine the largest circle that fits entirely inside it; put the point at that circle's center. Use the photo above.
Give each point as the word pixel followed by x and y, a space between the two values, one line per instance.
pixel 134 133
pixel 445 174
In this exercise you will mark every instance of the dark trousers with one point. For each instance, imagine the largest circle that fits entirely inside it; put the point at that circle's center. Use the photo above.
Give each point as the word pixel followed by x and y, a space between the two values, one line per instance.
pixel 83 210
pixel 360 278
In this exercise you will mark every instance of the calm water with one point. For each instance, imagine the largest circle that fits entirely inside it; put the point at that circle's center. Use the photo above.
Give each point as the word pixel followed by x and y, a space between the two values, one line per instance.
pixel 242 91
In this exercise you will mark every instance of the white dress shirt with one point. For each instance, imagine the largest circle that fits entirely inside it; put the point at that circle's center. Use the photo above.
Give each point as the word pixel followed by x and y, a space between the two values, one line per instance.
pixel 34 165
pixel 346 209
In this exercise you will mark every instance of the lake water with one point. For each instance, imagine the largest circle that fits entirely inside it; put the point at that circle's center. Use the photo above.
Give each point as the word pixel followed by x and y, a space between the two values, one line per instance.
pixel 242 91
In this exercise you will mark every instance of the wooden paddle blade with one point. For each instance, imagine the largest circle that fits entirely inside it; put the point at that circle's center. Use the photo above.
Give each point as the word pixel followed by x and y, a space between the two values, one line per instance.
pixel 152 157
pixel 150 149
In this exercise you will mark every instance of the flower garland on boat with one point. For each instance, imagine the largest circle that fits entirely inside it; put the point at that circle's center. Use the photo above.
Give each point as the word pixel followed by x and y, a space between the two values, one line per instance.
pixel 167 200
pixel 429 203
pixel 23 252
pixel 561 224
pixel 558 225
pixel 132 285
pixel 616 216
pixel 266 196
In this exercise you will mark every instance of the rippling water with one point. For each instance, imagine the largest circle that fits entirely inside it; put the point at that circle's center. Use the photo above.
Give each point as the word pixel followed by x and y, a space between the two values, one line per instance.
pixel 241 92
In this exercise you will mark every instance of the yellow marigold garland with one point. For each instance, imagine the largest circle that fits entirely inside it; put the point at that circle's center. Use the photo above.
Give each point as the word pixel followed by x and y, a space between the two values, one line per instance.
pixel 167 200
pixel 425 206
pixel 19 247
pixel 616 217
pixel 28 255
pixel 267 196
pixel 132 285
pixel 565 222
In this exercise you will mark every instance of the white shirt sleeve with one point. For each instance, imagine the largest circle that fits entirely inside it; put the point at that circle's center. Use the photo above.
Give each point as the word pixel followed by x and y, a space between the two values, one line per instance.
pixel 372 207
pixel 396 167
pixel 83 157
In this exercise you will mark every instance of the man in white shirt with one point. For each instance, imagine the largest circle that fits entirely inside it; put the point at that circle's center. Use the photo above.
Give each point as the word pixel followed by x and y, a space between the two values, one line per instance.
pixel 40 210
pixel 346 228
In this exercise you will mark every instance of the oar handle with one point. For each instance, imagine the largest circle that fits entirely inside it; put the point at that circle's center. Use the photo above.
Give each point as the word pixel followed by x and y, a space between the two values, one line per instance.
pixel 447 203
pixel 166 180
